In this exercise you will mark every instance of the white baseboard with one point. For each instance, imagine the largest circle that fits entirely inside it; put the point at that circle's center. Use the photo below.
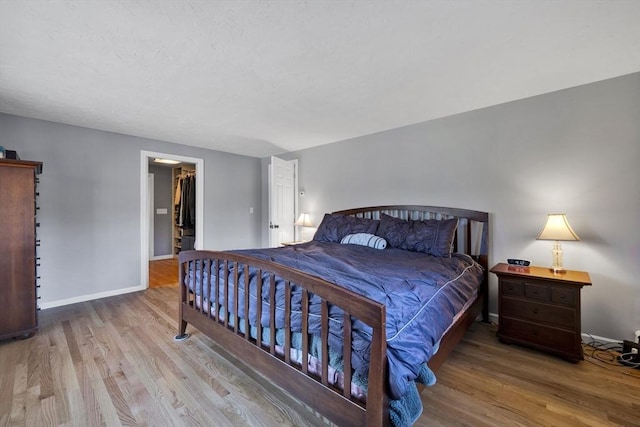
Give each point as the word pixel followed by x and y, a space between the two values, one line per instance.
pixel 493 317
pixel 161 257
pixel 587 338
pixel 83 298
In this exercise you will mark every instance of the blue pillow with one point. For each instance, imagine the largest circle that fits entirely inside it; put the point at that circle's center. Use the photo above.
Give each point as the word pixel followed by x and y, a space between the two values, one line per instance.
pixel 431 236
pixel 335 226
pixel 364 239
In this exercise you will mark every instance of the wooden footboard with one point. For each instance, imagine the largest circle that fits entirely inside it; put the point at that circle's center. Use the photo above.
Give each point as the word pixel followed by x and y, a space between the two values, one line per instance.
pixel 335 404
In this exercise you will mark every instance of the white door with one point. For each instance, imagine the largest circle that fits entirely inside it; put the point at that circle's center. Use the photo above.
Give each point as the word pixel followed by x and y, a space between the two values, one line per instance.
pixel 282 200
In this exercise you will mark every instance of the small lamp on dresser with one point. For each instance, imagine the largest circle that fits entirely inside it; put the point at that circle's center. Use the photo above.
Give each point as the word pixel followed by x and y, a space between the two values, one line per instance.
pixel 557 228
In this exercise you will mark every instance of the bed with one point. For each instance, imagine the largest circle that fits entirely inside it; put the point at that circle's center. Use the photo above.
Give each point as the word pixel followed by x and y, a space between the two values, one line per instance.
pixel 349 323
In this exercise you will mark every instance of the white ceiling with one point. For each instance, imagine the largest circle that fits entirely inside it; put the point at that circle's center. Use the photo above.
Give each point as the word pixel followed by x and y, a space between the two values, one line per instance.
pixel 265 77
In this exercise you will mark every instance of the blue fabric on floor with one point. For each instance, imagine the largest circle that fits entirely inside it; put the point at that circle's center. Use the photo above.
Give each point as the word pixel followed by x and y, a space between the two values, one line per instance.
pixel 426 376
pixel 406 411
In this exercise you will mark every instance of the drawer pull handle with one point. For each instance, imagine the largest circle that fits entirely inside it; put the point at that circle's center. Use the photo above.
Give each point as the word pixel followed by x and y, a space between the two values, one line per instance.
pixel 535 311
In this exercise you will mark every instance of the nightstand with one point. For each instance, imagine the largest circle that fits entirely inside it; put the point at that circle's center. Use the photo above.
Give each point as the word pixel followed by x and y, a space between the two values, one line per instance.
pixel 297 242
pixel 541 309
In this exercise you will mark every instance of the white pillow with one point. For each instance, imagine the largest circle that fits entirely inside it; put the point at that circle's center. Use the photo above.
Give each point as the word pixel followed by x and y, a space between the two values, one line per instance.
pixel 364 239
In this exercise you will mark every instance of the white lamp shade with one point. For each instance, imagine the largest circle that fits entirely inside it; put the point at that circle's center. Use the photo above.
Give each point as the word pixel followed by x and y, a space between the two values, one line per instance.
pixel 557 228
pixel 304 220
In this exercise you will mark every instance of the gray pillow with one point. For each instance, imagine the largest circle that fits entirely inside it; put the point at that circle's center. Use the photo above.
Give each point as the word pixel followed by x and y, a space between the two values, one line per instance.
pixel 335 226
pixel 431 236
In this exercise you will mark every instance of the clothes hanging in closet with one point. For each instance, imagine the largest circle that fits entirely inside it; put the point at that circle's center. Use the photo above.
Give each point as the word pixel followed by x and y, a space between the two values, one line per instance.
pixel 186 197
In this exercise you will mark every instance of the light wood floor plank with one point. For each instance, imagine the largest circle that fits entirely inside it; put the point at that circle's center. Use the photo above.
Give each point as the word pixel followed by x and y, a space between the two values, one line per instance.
pixel 113 362
pixel 187 395
pixel 8 374
pixel 32 405
pixel 19 407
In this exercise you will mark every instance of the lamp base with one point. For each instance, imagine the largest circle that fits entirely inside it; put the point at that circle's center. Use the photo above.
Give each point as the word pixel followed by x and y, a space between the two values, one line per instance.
pixel 557 254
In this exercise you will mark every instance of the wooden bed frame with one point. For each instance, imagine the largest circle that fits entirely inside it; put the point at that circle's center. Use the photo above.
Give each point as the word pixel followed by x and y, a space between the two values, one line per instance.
pixel 335 404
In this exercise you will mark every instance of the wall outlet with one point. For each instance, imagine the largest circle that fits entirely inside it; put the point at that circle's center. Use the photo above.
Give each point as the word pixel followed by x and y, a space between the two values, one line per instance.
pixel 630 347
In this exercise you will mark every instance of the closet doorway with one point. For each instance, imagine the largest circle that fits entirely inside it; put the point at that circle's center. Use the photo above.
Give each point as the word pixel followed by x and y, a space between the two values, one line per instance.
pixel 171 219
pixel 171 214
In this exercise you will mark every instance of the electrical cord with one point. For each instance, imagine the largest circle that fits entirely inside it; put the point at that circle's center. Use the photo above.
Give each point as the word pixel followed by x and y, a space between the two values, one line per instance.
pixel 609 353
pixel 627 359
pixel 602 346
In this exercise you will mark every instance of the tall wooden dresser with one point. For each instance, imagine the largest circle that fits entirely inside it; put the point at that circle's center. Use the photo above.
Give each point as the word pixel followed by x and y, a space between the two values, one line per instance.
pixel 18 225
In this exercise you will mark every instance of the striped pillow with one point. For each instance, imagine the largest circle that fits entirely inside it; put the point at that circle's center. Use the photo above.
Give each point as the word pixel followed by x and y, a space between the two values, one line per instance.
pixel 364 239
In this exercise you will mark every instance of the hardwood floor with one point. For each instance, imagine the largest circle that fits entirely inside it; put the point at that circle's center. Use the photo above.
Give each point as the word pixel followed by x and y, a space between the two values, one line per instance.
pixel 163 273
pixel 487 383
pixel 113 362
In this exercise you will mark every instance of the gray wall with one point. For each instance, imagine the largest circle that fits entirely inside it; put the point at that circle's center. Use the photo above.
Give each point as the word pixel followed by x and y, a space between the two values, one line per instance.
pixel 575 151
pixel 162 199
pixel 90 203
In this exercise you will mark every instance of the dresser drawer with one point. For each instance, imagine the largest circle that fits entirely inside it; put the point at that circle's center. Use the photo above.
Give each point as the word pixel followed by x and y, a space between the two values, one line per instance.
pixel 512 287
pixel 557 339
pixel 553 315
pixel 564 296
pixel 537 292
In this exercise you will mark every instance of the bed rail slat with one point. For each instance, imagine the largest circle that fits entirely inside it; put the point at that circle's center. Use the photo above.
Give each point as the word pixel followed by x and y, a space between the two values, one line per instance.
pixel 207 290
pixel 377 399
pixel 305 330
pixel 200 298
pixel 236 285
pixel 226 294
pixel 259 308
pixel 324 339
pixel 272 314
pixel 193 270
pixel 346 350
pixel 216 313
pixel 287 322
pixel 468 237
pixel 247 288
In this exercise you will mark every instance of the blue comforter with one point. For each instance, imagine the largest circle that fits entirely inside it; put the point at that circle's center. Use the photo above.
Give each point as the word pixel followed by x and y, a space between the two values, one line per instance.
pixel 422 294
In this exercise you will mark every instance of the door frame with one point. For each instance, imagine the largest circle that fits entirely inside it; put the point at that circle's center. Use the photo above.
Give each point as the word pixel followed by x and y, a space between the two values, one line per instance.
pixel 151 195
pixel 145 208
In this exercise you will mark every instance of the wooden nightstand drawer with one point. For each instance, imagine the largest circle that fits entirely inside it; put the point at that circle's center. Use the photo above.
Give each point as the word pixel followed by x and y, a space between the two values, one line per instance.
pixel 564 296
pixel 511 287
pixel 538 292
pixel 557 339
pixel 562 317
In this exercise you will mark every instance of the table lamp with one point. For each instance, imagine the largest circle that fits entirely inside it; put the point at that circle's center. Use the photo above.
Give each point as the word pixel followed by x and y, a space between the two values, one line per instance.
pixel 304 220
pixel 557 228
